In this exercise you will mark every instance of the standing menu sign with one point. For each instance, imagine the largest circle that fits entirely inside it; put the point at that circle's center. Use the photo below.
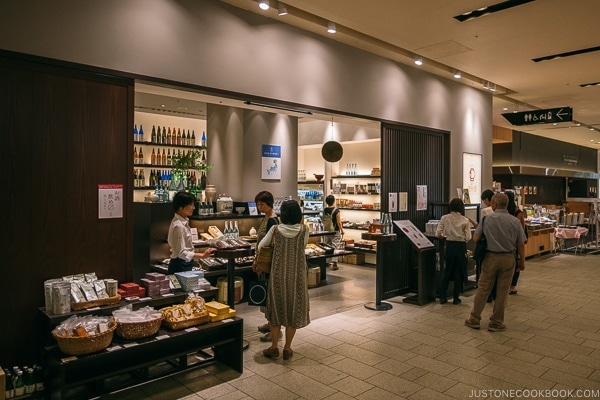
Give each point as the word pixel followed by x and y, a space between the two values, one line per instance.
pixel 418 239
pixel 110 201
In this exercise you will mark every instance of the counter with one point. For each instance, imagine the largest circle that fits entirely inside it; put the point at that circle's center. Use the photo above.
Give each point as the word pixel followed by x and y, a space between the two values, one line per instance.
pixel 539 241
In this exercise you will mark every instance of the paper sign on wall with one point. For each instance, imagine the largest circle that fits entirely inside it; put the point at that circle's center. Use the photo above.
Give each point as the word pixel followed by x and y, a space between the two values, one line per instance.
pixel 403 201
pixel 393 202
pixel 110 201
pixel 421 197
pixel 271 161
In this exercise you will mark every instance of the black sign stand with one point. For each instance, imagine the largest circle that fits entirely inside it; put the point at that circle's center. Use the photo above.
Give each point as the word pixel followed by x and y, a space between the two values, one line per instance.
pixel 381 240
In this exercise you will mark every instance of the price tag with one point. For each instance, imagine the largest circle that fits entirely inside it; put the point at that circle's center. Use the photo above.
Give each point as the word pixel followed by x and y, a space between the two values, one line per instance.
pixel 145 298
pixel 168 294
pixel 227 320
pixel 113 348
pixel 130 344
pixel 93 308
pixel 192 329
pixel 161 337
pixel 68 359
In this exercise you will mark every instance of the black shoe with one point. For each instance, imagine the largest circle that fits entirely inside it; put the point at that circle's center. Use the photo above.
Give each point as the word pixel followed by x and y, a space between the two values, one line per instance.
pixel 456 301
pixel 443 301
pixel 490 299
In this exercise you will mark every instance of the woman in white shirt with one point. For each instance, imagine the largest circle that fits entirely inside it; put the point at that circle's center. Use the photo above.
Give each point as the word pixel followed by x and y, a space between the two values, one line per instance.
pixel 456 228
pixel 180 235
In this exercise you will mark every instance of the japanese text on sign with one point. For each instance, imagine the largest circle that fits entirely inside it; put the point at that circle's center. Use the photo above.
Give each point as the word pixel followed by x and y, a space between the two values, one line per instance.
pixel 110 201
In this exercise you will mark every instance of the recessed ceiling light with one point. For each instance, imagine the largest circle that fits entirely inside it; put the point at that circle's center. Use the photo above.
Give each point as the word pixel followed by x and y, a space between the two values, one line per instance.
pixel 264 5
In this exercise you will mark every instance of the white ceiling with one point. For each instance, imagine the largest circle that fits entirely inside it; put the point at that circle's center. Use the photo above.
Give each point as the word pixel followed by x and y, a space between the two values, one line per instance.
pixel 498 48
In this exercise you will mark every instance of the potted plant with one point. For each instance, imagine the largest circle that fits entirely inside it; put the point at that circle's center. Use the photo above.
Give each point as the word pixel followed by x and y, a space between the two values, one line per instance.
pixel 182 163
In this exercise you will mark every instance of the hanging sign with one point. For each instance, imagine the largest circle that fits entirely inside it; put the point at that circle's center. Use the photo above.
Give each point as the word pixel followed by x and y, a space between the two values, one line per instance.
pixel 547 116
pixel 110 201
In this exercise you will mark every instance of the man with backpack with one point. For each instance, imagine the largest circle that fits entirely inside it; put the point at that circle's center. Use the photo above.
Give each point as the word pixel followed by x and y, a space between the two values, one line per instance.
pixel 332 222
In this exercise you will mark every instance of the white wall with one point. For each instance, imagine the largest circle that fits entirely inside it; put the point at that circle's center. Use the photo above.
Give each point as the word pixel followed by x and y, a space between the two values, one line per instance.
pixel 209 44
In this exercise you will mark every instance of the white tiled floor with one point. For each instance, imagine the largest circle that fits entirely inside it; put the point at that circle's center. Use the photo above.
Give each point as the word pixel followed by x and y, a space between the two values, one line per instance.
pixel 412 352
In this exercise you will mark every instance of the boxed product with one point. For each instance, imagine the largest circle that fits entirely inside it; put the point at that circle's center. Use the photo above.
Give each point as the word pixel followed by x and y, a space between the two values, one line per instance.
pixel 220 317
pixel 356 258
pixel 217 308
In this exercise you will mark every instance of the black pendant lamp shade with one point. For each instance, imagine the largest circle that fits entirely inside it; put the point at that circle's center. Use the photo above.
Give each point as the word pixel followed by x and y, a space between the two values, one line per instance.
pixel 332 151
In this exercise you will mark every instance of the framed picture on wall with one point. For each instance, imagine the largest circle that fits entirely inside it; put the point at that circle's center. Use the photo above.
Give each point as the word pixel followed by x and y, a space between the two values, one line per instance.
pixel 472 175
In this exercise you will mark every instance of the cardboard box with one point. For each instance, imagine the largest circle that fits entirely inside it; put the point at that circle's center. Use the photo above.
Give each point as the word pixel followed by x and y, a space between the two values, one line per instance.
pixel 356 258
pixel 2 384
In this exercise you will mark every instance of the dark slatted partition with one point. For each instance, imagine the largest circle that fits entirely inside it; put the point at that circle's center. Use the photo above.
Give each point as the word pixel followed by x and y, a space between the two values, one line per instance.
pixel 410 156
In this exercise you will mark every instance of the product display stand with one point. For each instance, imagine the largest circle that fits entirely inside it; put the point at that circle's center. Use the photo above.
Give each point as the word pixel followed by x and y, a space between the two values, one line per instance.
pixel 381 239
pixel 231 255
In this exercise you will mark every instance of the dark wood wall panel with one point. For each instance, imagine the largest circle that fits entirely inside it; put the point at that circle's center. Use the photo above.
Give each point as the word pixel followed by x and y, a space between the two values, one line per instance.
pixel 64 131
pixel 410 156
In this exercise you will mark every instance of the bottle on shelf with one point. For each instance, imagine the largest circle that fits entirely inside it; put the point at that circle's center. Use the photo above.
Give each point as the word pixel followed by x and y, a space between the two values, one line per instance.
pixel 169 136
pixel 153 135
pixel 203 138
pixel 29 381
pixel 188 139
pixel 140 156
pixel 163 159
pixel 236 230
pixel 135 156
pixel 226 231
pixel 164 136
pixel 141 134
pixel 142 178
pixel 40 377
pixel 169 158
pixel 153 157
pixel 9 389
pixel 135 133
pixel 193 138
pixel 203 181
pixel 19 385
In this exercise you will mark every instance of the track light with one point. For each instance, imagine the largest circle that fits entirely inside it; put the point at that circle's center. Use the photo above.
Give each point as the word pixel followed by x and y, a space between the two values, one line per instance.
pixel 457 74
pixel 486 85
pixel 492 87
pixel 418 60
pixel 331 27
pixel 264 5
pixel 282 9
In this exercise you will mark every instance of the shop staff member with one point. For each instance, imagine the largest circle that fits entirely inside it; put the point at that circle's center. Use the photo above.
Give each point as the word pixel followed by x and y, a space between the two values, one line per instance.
pixel 180 235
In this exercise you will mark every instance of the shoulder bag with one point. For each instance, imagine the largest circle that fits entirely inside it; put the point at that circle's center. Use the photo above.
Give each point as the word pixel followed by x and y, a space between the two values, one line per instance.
pixel 264 258
pixel 481 245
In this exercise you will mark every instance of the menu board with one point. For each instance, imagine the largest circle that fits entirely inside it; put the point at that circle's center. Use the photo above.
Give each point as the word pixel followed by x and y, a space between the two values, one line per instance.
pixel 418 239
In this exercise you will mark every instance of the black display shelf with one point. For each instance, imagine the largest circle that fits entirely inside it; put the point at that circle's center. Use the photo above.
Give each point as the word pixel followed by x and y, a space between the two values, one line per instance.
pixel 354 176
pixel 180 146
pixel 359 209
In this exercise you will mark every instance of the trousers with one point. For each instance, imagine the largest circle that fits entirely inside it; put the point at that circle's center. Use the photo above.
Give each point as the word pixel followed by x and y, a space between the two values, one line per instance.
pixel 499 268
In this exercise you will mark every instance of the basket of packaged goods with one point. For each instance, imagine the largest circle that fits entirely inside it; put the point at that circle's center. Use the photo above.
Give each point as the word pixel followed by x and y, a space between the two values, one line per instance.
pixel 84 335
pixel 181 316
pixel 95 303
pixel 137 324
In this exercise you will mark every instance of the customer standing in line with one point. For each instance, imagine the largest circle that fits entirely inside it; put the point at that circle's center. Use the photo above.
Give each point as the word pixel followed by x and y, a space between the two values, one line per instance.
pixel 517 212
pixel 505 238
pixel 264 202
pixel 180 235
pixel 456 228
pixel 287 301
pixel 486 198
pixel 332 214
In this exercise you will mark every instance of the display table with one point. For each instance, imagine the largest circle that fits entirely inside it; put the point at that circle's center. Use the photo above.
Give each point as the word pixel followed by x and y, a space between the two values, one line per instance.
pixel 539 241
pixel 137 360
pixel 577 234
pixel 381 240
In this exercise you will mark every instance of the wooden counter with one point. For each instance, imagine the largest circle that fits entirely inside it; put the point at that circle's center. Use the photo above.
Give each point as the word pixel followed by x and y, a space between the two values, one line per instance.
pixel 539 241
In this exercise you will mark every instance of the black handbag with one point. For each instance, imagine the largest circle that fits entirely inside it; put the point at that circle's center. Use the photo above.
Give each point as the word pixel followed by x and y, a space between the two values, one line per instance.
pixel 480 246
pixel 257 293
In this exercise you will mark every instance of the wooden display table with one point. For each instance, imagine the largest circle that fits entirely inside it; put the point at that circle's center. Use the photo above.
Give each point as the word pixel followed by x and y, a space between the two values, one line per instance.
pixel 539 241
pixel 137 360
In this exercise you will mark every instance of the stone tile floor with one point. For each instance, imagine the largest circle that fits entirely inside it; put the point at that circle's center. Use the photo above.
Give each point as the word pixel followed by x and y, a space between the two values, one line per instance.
pixel 550 350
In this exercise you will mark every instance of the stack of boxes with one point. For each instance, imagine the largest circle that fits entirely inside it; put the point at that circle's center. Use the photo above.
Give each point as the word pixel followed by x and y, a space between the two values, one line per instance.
pixel 218 311
pixel 156 284
pixel 188 280
pixel 131 289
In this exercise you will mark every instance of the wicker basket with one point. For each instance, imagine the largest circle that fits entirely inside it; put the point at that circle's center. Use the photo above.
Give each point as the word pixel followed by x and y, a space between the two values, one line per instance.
pixel 95 303
pixel 202 318
pixel 137 330
pixel 76 346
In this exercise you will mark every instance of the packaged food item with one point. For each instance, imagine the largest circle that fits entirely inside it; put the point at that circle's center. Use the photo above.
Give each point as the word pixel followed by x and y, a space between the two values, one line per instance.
pixel 76 294
pixel 88 291
pixel 61 297
pixel 100 288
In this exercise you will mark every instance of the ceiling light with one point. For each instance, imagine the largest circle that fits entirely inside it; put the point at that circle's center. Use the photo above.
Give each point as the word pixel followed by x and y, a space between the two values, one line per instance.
pixel 282 9
pixel 264 5
pixel 486 85
pixel 278 107
pixel 492 87
pixel 418 60
pixel 480 12
pixel 585 85
pixel 505 109
pixel 331 27
pixel 457 74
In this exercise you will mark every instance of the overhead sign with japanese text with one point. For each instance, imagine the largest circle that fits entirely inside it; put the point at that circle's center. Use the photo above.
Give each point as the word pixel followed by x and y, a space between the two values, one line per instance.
pixel 547 116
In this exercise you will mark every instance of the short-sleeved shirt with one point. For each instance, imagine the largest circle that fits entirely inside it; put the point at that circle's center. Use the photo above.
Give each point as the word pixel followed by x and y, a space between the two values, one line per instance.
pixel 502 231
